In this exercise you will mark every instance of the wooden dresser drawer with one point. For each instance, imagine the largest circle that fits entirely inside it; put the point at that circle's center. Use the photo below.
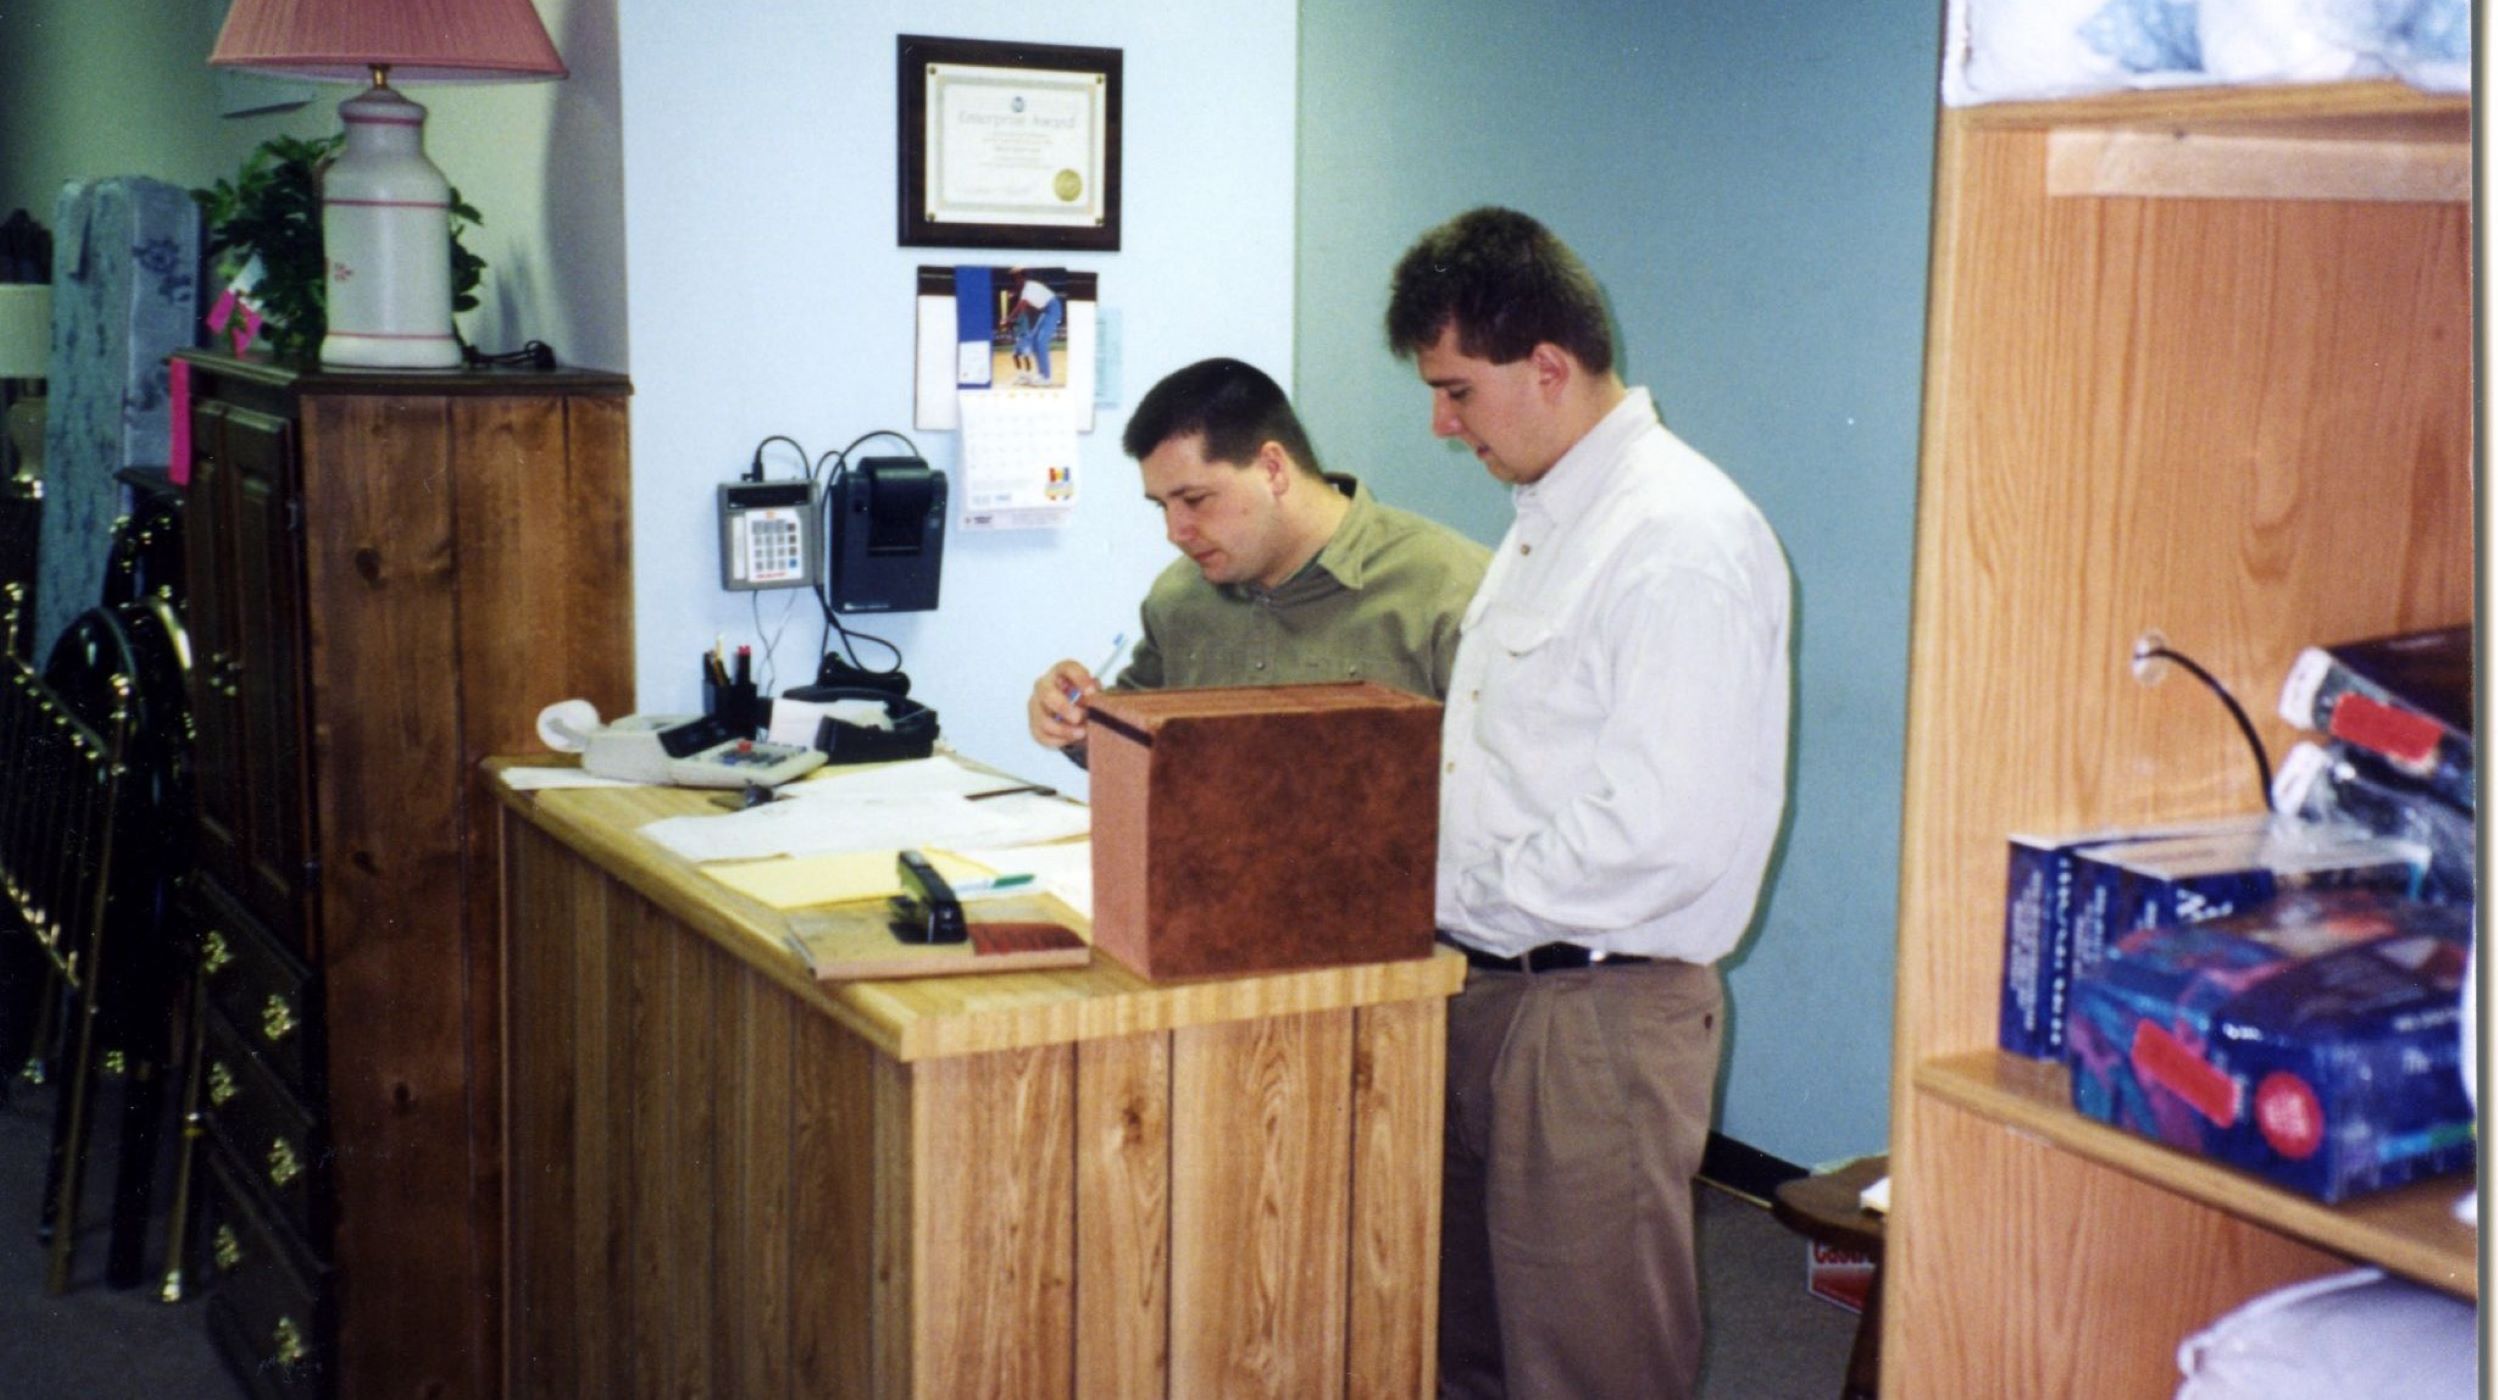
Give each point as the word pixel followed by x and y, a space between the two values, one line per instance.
pixel 262 989
pixel 274 1141
pixel 269 1309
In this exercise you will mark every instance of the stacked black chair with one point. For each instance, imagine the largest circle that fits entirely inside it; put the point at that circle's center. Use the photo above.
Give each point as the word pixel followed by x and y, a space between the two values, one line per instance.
pixel 92 840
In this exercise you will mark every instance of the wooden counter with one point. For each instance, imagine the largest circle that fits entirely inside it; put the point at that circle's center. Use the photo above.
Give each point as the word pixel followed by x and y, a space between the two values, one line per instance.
pixel 728 1180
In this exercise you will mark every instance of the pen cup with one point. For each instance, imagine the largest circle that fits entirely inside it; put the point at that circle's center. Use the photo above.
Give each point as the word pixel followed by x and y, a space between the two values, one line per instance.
pixel 735 704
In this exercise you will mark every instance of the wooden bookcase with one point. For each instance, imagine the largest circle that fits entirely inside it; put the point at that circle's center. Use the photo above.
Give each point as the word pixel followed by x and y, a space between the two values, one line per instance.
pixel 2198 363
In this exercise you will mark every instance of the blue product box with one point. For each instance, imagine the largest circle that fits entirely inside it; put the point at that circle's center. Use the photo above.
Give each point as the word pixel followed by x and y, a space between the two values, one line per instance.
pixel 2211 875
pixel 2315 1041
pixel 2038 927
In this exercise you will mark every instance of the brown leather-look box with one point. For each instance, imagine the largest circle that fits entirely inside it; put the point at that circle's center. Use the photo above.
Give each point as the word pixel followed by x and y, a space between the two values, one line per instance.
pixel 1263 828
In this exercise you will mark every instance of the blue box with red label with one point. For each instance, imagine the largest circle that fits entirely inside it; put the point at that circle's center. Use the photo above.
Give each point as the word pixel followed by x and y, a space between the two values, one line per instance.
pixel 2044 887
pixel 2314 1040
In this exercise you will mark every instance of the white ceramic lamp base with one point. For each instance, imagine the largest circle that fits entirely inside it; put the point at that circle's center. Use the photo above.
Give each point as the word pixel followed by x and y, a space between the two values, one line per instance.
pixel 386 230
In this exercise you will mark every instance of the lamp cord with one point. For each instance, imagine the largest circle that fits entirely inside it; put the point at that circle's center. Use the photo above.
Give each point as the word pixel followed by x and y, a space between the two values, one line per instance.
pixel 535 354
pixel 2246 727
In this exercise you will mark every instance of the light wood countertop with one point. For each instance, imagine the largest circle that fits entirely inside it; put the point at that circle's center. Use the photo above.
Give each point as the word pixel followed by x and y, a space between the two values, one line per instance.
pixel 941 1016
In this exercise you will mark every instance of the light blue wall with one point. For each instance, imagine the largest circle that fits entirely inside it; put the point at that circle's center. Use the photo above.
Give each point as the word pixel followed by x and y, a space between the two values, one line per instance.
pixel 1751 184
pixel 768 296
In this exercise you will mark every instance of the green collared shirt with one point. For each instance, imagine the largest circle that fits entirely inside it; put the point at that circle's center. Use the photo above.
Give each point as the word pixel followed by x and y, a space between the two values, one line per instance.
pixel 1381 602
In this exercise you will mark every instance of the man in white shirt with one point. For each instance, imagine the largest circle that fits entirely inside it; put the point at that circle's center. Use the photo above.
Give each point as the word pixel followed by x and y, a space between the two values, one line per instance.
pixel 1614 772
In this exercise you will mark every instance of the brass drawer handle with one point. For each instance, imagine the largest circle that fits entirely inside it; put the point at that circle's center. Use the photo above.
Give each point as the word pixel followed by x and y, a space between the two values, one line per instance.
pixel 277 1019
pixel 289 1337
pixel 214 954
pixel 221 1086
pixel 228 1249
pixel 284 1165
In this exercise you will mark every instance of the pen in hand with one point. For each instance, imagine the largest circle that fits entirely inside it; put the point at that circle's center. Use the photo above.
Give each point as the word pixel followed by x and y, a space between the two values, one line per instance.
pixel 1101 673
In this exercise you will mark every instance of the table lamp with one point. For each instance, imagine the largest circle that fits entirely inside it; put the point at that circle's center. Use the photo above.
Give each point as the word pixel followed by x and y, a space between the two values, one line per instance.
pixel 26 353
pixel 385 209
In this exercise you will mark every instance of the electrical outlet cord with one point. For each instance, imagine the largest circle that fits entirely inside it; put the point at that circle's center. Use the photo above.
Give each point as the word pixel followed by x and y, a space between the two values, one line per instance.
pixel 754 467
pixel 2246 727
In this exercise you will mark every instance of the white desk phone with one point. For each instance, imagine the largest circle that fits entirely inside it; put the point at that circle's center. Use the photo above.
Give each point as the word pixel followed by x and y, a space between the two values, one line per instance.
pixel 684 750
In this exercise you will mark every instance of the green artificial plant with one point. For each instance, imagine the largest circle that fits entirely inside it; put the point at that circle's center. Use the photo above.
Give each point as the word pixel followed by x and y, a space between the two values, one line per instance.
pixel 272 210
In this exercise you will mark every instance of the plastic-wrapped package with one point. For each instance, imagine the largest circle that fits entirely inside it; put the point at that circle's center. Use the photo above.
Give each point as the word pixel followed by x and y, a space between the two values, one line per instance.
pixel 2013 50
pixel 2064 48
pixel 2339 784
pixel 2352 1336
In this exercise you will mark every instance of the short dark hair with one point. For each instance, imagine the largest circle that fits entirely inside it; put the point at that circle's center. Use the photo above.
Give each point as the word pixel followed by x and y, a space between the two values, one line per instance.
pixel 1507 285
pixel 1232 403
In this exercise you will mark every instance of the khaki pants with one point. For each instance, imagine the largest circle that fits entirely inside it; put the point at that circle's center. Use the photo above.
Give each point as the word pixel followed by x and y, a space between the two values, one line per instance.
pixel 1578 1107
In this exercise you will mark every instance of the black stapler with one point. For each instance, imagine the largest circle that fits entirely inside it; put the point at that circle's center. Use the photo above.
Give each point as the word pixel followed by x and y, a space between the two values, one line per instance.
pixel 926 911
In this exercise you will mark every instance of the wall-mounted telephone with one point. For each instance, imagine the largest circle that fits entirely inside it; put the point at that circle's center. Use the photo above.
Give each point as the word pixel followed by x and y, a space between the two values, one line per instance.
pixel 770 536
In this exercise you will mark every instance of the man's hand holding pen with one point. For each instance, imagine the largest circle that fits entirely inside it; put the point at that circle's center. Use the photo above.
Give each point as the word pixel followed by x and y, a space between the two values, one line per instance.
pixel 1056 711
pixel 1057 707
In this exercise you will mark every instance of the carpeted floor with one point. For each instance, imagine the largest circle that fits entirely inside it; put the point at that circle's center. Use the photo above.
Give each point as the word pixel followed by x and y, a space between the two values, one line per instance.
pixel 92 1341
pixel 1768 1339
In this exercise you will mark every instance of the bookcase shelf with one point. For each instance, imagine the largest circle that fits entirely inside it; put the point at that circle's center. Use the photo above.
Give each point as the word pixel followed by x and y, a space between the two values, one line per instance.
pixel 2411 1231
pixel 2241 418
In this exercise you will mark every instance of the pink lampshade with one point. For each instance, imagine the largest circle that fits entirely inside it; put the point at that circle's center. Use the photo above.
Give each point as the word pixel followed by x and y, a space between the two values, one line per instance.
pixel 418 40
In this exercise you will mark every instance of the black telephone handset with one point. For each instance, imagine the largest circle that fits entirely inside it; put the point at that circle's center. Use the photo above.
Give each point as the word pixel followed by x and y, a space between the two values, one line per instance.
pixel 926 911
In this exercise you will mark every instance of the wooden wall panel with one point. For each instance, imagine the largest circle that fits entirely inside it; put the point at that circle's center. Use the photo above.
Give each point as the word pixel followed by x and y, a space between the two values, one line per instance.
pixel 603 1086
pixel 545 1143
pixel 894 1311
pixel 757 1244
pixel 1123 1205
pixel 1262 1163
pixel 839 1269
pixel 993 1165
pixel 690 1167
pixel 648 1018
pixel 1399 1073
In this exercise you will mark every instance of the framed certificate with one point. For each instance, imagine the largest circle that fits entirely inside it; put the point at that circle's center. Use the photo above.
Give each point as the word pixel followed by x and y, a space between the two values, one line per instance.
pixel 1008 145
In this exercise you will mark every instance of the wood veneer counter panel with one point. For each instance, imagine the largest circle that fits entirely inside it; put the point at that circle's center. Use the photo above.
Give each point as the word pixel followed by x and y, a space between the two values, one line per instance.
pixel 2410 1230
pixel 942 1016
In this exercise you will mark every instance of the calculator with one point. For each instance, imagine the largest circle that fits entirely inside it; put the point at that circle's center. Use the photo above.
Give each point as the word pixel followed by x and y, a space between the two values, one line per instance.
pixel 693 751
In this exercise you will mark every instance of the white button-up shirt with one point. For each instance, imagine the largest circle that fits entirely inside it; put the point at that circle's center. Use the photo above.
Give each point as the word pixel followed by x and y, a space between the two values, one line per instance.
pixel 1614 750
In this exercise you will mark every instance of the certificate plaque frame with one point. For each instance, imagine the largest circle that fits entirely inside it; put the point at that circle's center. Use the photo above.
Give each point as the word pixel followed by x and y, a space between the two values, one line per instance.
pixel 1007 145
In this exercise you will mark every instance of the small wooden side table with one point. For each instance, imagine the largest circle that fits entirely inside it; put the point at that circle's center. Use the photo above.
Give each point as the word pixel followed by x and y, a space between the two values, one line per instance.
pixel 1827 1209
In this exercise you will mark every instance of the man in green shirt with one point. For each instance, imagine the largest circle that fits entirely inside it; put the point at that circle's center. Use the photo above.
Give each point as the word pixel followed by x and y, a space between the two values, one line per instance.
pixel 1291 574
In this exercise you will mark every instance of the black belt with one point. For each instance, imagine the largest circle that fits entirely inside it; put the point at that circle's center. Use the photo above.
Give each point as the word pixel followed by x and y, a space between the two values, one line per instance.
pixel 1551 957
